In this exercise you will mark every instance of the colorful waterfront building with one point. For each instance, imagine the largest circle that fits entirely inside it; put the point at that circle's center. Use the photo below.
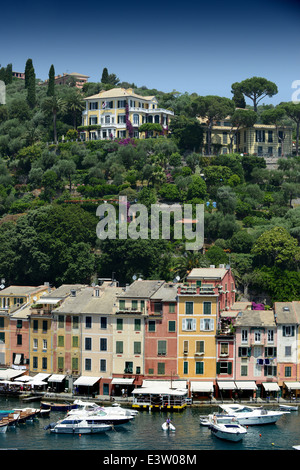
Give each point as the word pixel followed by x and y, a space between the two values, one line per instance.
pixel 288 352
pixel 161 334
pixel 256 354
pixel 129 323
pixel 118 114
pixel 12 300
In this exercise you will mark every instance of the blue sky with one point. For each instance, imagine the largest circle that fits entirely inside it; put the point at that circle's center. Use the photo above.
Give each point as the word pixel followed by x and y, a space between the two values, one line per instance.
pixel 200 47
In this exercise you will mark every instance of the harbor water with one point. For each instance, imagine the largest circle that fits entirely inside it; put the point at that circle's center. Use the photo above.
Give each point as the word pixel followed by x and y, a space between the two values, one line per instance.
pixel 145 433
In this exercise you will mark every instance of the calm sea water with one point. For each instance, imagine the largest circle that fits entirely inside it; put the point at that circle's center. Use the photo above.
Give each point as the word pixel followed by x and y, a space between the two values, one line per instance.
pixel 145 433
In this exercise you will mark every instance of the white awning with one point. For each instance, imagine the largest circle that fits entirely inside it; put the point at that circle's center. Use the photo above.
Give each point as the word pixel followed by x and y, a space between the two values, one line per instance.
pixel 85 380
pixel 271 386
pixel 121 381
pixel 246 385
pixel 37 383
pixel 41 376
pixel 48 301
pixel 292 385
pixel 10 374
pixel 226 385
pixel 56 378
pixel 202 386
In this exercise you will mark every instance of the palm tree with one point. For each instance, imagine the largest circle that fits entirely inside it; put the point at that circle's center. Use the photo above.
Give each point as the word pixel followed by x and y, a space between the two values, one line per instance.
pixel 76 104
pixel 53 105
pixel 188 261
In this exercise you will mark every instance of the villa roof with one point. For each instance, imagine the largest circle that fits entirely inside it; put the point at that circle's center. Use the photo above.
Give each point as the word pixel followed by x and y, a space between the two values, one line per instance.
pixel 287 312
pixel 255 318
pixel 166 293
pixel 207 273
pixel 141 289
pixel 119 93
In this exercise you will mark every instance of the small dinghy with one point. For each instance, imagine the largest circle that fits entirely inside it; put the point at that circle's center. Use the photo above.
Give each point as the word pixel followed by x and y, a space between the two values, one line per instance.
pixel 204 421
pixel 168 426
pixel 288 407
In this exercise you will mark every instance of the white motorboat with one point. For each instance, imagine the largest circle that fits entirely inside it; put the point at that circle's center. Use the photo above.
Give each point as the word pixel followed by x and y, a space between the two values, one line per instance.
pixel 168 426
pixel 100 415
pixel 226 427
pixel 288 407
pixel 78 426
pixel 251 415
pixel 87 406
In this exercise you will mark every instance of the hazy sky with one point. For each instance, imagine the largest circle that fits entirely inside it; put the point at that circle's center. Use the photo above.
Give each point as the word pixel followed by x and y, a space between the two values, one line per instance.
pixel 200 47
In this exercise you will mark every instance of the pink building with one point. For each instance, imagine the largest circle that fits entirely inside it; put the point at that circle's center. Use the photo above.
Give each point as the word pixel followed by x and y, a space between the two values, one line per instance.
pixel 161 334
pixel 256 354
pixel 19 338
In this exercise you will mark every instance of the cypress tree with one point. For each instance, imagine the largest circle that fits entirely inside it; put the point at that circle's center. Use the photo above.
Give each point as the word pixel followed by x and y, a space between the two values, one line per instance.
pixel 104 78
pixel 28 68
pixel 50 91
pixel 8 74
pixel 31 99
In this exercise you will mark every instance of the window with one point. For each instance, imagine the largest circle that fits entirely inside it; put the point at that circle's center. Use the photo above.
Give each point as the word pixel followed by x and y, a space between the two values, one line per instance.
pixel 88 322
pixel 61 341
pixel 93 120
pixel 102 365
pixel 119 347
pixel 260 136
pixel 161 347
pixel 171 308
pixel 121 103
pixel 224 349
pixel 45 345
pixel 244 371
pixel 171 326
pixel 270 336
pixel 74 363
pixel 44 363
pixel 185 367
pixel 61 321
pixel 107 120
pixel 288 351
pixel 224 137
pixel 199 367
pixel 189 324
pixel 189 308
pixel 151 326
pixel 134 304
pixel 288 330
pixel 121 304
pixel 2 338
pixel 60 363
pixel 207 324
pixel 257 336
pixel 19 323
pixel 35 343
pixel 224 367
pixel 270 371
pixel 103 344
pixel 288 371
pixel 119 324
pixel 75 321
pixel 244 336
pixel 206 308
pixel 122 119
pixel 88 364
pixel 137 347
pixel 45 326
pixel 199 347
pixel 136 119
pixel 185 347
pixel 161 368
pixel 19 339
pixel 158 307
pixel 137 324
pixel 103 323
pixel 271 352
pixel 94 105
pixel 75 341
pixel 270 136
pixel 35 362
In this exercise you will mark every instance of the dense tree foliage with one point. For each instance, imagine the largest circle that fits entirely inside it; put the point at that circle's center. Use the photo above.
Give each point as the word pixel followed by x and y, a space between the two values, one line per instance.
pixel 51 185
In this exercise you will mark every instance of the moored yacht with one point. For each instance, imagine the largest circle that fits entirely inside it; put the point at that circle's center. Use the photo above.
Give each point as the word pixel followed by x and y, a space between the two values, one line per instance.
pixel 251 415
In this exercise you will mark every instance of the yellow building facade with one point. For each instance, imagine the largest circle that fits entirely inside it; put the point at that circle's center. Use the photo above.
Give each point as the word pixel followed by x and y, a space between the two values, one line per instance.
pixel 197 325
pixel 118 113
pixel 261 139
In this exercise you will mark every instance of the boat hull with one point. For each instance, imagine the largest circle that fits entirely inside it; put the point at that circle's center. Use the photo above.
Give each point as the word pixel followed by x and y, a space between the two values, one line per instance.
pixel 227 436
pixel 58 406
pixel 81 430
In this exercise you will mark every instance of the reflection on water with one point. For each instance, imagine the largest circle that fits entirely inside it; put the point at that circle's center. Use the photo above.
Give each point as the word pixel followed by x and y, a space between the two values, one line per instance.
pixel 145 433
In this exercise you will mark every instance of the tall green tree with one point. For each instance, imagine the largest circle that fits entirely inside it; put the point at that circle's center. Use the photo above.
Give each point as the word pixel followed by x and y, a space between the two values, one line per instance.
pixel 255 88
pixel 293 112
pixel 76 105
pixel 51 81
pixel 104 78
pixel 31 93
pixel 28 68
pixel 53 105
pixel 211 108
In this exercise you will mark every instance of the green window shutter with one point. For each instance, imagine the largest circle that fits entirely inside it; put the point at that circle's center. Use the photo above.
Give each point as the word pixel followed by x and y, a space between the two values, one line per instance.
pixel 74 363
pixel 229 369
pixel 137 347
pixel 189 308
pixel 218 367
pixel 122 304
pixel 60 362
pixel 172 326
pixel 75 341
pixel 119 347
pixel 119 324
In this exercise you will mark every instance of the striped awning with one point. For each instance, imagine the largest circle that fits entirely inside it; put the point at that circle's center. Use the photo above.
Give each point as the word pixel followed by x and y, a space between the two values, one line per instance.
pixel 246 385
pixel 223 385
pixel 202 386
pixel 271 386
pixel 292 385
pixel 85 380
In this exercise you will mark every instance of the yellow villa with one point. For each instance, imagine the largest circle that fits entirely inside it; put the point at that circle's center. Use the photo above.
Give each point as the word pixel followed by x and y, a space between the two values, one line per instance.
pixel 118 113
